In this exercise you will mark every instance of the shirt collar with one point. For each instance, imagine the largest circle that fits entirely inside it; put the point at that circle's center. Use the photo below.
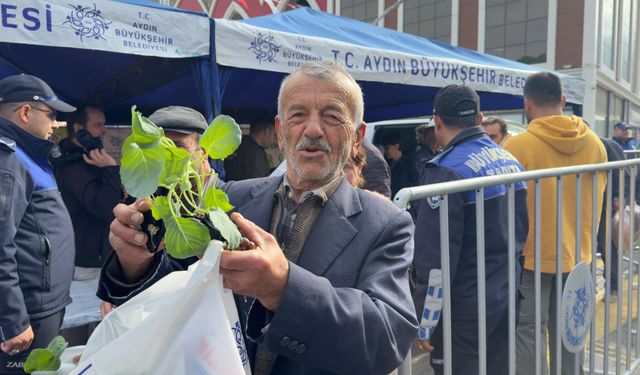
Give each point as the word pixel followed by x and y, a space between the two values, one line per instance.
pixel 323 192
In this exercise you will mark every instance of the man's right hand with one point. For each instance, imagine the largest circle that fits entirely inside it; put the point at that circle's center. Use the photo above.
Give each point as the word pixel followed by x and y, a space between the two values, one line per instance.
pixel 128 241
pixel 99 158
pixel 18 344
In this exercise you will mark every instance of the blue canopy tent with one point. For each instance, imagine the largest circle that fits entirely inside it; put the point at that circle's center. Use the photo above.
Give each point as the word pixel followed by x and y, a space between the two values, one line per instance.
pixel 111 53
pixel 399 73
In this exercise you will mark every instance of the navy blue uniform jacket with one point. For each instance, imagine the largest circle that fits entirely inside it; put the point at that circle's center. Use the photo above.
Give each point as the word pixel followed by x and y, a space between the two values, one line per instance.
pixel 36 236
pixel 470 154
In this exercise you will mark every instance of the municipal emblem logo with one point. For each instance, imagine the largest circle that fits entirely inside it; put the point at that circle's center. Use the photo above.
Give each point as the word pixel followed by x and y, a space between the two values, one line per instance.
pixel 87 22
pixel 434 202
pixel 237 333
pixel 265 48
pixel 578 300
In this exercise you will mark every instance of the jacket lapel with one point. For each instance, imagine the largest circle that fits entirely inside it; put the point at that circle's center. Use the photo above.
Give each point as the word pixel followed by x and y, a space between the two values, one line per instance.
pixel 258 208
pixel 332 230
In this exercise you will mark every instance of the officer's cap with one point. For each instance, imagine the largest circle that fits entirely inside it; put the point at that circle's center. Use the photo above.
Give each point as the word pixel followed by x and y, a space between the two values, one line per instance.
pixel 27 88
pixel 456 101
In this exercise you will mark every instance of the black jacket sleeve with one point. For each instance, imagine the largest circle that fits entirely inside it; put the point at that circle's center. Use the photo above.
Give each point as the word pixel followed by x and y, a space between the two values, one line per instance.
pixel 112 287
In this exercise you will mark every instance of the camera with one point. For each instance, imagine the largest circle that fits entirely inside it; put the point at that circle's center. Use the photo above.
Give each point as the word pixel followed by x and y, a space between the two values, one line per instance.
pixel 59 157
pixel 87 141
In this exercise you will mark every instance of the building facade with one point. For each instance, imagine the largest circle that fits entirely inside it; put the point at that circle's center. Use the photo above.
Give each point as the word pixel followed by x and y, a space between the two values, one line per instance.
pixel 595 39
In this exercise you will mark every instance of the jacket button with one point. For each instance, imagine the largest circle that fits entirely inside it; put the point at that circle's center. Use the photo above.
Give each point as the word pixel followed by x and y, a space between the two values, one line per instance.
pixel 293 344
pixel 300 349
pixel 285 341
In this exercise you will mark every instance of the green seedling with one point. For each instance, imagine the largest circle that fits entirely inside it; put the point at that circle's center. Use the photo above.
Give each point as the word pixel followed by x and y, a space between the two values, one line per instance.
pixel 46 359
pixel 190 198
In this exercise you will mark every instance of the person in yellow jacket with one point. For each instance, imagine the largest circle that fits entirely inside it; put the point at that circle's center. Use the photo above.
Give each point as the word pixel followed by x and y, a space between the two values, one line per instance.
pixel 553 140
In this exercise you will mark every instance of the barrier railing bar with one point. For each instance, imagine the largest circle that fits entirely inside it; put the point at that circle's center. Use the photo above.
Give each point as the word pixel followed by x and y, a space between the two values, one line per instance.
pixel 595 216
pixel 607 277
pixel 620 249
pixel 632 190
pixel 443 189
pixel 559 221
pixel 578 241
pixel 512 277
pixel 446 282
pixel 634 172
pixel 419 192
pixel 632 202
pixel 482 310
pixel 537 281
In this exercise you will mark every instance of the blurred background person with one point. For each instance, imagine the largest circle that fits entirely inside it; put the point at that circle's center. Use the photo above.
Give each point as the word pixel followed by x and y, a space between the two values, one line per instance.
pixel 353 168
pixel 89 181
pixel 621 136
pixel 403 170
pixel 250 160
pixel 427 145
pixel 496 128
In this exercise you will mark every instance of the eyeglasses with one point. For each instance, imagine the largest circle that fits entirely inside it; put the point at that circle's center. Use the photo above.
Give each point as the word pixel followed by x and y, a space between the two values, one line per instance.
pixel 50 114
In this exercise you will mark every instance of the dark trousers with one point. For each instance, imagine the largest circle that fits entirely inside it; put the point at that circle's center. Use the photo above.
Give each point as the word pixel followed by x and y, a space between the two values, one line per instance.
pixel 464 346
pixel 44 330
pixel 614 252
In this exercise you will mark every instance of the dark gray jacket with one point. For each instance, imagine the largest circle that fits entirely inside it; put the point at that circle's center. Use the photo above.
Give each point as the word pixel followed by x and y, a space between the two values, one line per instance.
pixel 36 236
pixel 347 307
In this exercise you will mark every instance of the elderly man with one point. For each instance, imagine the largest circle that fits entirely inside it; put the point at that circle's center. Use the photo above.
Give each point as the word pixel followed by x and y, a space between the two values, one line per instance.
pixel 327 286
pixel 36 236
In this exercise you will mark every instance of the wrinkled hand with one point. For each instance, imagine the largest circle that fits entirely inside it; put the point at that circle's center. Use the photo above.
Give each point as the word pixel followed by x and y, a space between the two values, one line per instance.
pixel 105 308
pixel 128 241
pixel 424 345
pixel 99 158
pixel 19 343
pixel 261 273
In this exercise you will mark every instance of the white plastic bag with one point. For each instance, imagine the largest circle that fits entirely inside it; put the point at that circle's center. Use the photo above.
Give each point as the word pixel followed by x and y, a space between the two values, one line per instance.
pixel 179 326
pixel 626 227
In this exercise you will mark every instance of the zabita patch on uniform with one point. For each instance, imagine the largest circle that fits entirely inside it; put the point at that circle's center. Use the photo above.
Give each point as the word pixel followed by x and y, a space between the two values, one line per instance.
pixel 434 202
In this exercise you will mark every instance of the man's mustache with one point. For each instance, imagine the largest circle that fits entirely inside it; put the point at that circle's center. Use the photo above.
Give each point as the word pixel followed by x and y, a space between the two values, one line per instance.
pixel 310 142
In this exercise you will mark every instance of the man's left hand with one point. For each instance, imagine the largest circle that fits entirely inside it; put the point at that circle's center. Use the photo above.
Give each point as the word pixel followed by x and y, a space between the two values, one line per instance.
pixel 261 273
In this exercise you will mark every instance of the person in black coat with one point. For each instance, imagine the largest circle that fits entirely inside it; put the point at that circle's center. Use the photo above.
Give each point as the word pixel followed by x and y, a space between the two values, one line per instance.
pixel 403 169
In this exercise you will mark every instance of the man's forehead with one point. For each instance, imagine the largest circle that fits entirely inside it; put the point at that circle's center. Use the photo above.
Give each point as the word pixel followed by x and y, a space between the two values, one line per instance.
pixel 177 136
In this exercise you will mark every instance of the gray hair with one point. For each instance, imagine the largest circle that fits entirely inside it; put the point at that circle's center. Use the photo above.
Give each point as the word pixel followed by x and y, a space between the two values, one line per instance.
pixel 329 70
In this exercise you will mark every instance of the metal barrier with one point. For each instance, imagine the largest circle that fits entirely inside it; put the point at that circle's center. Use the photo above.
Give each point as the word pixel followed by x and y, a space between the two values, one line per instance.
pixel 404 196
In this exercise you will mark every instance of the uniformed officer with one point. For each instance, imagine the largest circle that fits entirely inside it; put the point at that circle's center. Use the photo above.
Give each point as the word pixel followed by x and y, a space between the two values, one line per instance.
pixel 468 153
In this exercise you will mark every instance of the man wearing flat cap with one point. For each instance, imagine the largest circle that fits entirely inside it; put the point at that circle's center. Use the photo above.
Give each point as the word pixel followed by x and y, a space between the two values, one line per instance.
pixel 457 117
pixel 183 126
pixel 36 236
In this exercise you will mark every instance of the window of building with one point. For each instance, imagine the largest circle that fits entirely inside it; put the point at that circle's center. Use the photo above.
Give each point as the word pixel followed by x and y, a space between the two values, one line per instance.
pixel 428 18
pixel 608 28
pixel 600 126
pixel 517 29
pixel 627 41
pixel 363 10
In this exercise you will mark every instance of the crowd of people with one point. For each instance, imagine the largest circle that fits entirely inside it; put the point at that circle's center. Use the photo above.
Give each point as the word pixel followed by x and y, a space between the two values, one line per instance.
pixel 326 288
